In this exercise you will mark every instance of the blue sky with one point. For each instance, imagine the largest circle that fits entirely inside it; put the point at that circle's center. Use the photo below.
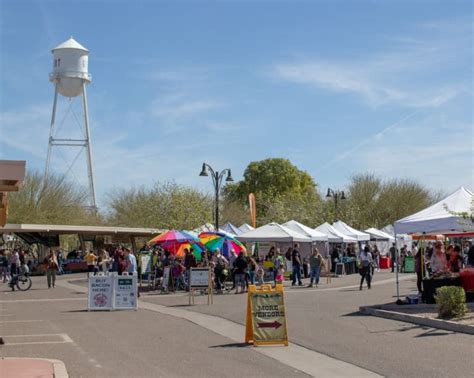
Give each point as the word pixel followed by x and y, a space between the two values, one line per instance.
pixel 339 88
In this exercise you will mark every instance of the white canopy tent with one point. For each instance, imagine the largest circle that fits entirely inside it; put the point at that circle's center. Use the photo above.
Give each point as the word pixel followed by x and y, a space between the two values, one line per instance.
pixel 204 227
pixel 246 227
pixel 305 230
pixel 379 235
pixel 388 229
pixel 334 236
pixel 351 232
pixel 273 232
pixel 440 218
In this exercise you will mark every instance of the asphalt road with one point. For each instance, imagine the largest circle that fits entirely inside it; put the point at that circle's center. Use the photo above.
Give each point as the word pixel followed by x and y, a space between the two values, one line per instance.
pixel 327 320
pixel 122 343
pixel 149 344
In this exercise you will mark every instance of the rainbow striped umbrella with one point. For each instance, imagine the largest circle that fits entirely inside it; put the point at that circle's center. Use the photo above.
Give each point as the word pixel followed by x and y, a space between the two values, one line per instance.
pixel 225 242
pixel 176 241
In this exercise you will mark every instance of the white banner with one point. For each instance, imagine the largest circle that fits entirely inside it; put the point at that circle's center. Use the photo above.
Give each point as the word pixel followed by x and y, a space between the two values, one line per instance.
pixel 100 293
pixel 145 263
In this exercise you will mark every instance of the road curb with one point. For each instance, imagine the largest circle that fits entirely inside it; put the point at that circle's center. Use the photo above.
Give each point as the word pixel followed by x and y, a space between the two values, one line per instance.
pixel 59 368
pixel 416 319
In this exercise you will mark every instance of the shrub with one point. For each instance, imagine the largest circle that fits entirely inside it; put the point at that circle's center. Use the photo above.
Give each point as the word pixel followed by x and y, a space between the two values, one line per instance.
pixel 451 302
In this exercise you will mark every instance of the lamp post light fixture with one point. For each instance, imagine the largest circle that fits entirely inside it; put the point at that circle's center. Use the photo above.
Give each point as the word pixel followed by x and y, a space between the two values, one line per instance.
pixel 217 178
pixel 337 195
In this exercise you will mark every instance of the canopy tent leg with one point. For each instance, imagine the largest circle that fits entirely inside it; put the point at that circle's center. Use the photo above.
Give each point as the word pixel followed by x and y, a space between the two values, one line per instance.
pixel 397 258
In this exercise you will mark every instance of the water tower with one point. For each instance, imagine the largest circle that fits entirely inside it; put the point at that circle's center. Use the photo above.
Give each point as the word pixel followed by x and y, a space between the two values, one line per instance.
pixel 70 76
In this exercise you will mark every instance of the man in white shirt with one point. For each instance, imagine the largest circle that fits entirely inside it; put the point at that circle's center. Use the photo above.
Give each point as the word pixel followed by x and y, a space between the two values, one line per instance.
pixel 131 262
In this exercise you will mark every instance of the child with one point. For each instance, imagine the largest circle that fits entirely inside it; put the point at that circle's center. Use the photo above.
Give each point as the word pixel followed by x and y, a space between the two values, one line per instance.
pixel 260 273
pixel 280 277
pixel 178 274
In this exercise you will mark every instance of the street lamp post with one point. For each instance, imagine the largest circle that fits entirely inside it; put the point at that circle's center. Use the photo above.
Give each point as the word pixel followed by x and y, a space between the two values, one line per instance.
pixel 217 178
pixel 337 195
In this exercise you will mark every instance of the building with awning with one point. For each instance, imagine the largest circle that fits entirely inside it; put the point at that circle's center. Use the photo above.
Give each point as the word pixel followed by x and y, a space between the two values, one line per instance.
pixel 48 234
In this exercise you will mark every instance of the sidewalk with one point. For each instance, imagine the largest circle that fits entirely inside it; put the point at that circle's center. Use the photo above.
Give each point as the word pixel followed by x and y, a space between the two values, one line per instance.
pixel 32 367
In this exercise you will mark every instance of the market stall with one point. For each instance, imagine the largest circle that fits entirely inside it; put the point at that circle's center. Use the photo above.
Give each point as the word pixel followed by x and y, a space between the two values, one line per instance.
pixel 441 218
pixel 319 239
pixel 339 264
pixel 274 234
pixel 351 232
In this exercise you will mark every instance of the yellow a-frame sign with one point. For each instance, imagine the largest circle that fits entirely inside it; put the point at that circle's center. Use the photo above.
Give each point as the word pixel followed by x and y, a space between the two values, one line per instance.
pixel 266 317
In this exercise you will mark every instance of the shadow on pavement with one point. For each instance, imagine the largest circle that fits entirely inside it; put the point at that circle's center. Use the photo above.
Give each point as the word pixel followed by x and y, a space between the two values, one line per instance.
pixel 84 310
pixel 19 291
pixel 232 345
pixel 435 332
pixel 180 305
pixel 355 313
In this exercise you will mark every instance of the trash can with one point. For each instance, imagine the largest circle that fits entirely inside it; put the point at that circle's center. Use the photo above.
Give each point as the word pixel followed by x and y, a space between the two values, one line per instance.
pixel 409 264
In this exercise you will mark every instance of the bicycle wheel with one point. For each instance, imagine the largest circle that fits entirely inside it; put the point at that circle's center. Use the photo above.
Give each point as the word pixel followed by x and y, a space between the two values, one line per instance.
pixel 23 282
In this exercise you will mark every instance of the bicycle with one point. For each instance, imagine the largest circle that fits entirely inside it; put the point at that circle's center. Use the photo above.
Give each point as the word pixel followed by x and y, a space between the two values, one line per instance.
pixel 22 281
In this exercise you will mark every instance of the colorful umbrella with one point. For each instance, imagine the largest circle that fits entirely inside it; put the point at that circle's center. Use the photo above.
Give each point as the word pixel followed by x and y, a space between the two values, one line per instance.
pixel 177 241
pixel 225 242
pixel 197 248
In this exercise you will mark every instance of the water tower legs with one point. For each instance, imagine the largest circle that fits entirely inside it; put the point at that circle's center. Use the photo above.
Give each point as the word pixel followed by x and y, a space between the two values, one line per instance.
pixel 51 133
pixel 72 142
pixel 88 148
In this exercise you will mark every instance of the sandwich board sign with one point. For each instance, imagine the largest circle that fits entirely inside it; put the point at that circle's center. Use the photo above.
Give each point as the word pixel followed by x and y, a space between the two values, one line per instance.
pixel 112 292
pixel 101 292
pixel 200 278
pixel 125 292
pixel 266 317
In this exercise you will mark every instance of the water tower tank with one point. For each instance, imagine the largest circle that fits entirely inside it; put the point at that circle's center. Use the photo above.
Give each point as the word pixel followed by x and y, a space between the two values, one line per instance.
pixel 70 68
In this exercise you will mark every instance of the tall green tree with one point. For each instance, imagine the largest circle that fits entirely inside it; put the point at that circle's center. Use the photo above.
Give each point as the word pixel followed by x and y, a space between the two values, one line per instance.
pixel 282 191
pixel 165 205
pixel 58 201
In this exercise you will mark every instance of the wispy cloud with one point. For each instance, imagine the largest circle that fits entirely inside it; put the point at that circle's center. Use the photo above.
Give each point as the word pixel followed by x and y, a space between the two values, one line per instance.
pixel 412 71
pixel 359 79
pixel 176 113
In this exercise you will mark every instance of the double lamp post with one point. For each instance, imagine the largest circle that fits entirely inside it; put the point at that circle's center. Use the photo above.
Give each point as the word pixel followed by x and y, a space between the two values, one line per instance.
pixel 217 178
pixel 337 195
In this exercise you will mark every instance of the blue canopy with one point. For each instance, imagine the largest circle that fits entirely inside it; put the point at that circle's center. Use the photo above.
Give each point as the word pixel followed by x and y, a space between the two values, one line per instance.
pixel 230 229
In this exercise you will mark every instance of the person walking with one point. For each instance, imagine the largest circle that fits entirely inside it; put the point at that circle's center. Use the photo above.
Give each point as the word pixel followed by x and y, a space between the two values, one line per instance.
pixel 4 266
pixel 91 260
pixel 60 262
pixel 14 263
pixel 315 263
pixel 365 269
pixel 393 255
pixel 220 264
pixel 376 256
pixel 240 273
pixel 296 261
pixel 419 271
pixel 52 265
